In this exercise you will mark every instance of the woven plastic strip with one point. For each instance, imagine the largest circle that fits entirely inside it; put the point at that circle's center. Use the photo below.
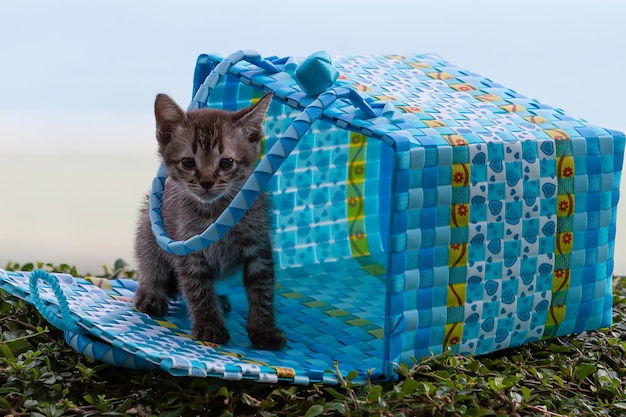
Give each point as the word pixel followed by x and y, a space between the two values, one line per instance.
pixel 221 70
pixel 96 349
pixel 65 322
pixel 464 217
pixel 337 319
pixel 259 178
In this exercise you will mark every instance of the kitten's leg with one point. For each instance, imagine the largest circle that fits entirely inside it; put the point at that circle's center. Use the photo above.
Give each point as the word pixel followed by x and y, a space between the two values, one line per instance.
pixel 196 278
pixel 258 278
pixel 152 294
pixel 156 275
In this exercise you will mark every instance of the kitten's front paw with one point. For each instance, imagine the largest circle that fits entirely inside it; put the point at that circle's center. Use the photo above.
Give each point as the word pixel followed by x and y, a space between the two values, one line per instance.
pixel 151 304
pixel 268 339
pixel 217 335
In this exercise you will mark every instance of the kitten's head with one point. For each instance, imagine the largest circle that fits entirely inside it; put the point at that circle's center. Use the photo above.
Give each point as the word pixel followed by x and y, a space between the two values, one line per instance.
pixel 211 152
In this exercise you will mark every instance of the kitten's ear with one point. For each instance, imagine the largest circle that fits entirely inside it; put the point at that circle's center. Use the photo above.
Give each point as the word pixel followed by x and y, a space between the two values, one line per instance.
pixel 168 115
pixel 251 118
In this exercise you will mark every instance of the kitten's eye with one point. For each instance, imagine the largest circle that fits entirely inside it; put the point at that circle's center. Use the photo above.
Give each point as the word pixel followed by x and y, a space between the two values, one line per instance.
pixel 188 163
pixel 226 163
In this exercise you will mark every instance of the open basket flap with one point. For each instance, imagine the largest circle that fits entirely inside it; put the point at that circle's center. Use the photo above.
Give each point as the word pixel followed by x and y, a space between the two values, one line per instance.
pixel 113 331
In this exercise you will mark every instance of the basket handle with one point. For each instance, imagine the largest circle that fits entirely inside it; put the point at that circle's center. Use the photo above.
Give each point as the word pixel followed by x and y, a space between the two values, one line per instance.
pixel 273 66
pixel 266 168
pixel 50 313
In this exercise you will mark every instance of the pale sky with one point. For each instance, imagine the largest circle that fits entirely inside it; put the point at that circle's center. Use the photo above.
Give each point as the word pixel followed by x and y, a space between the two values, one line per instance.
pixel 113 56
pixel 79 77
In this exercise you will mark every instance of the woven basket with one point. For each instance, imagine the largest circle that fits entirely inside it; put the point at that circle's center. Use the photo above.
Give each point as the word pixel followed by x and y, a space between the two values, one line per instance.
pixel 418 208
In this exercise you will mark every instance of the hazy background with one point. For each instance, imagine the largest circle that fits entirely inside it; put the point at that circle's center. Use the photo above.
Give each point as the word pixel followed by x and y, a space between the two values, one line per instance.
pixel 78 80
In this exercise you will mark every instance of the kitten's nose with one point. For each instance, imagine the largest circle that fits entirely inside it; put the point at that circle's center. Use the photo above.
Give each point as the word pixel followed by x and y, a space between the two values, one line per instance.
pixel 207 184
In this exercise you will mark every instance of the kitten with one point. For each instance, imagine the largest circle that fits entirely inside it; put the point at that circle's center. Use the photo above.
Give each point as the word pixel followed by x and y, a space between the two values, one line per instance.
pixel 209 154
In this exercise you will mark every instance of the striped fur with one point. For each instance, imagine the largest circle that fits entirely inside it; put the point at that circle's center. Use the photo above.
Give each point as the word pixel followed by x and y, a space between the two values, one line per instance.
pixel 209 154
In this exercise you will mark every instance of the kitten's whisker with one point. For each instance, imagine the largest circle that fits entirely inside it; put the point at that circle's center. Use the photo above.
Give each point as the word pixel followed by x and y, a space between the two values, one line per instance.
pixel 174 198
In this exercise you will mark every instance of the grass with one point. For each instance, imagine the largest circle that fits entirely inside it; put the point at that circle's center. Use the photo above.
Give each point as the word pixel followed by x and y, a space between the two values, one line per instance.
pixel 581 375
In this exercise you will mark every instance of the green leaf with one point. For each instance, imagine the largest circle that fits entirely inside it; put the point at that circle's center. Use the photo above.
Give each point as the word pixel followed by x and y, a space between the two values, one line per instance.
pixel 375 393
pixel 314 410
pixel 335 408
pixel 496 384
pixel 4 403
pixel 409 386
pixel 334 393
pixel 119 264
pixel 558 380
pixel 525 393
pixel 583 371
pixel 6 351
pixel 222 392
pixel 352 375
pixel 559 349
pixel 28 267
pixel 607 381
pixel 30 403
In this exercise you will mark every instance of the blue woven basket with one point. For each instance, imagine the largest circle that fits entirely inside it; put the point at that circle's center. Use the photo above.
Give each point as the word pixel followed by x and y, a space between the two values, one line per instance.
pixel 418 208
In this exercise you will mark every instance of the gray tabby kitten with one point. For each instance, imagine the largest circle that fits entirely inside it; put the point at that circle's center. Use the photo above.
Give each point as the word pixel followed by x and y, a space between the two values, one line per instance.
pixel 209 154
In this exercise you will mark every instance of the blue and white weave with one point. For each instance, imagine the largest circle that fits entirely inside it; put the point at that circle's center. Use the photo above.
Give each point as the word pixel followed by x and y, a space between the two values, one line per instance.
pixel 418 208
